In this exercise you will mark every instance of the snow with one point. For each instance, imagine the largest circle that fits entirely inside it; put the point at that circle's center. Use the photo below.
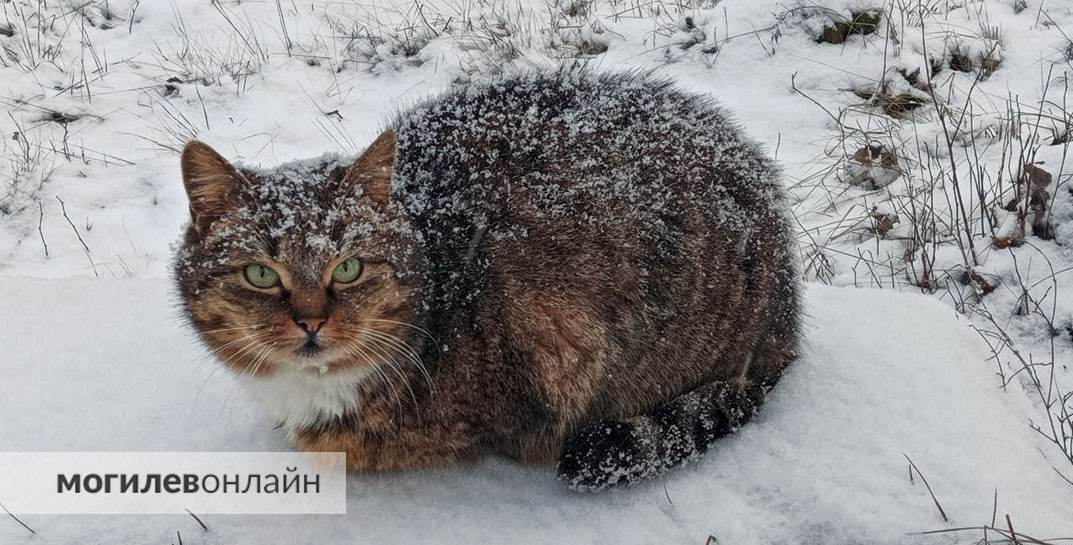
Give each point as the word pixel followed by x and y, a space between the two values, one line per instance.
pixel 94 355
pixel 823 462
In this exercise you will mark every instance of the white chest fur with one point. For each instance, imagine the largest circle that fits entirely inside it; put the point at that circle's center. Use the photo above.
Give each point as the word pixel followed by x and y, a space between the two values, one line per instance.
pixel 300 398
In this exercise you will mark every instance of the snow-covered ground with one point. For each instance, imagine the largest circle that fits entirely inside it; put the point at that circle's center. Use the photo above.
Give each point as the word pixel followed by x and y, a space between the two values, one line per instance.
pixel 824 463
pixel 98 96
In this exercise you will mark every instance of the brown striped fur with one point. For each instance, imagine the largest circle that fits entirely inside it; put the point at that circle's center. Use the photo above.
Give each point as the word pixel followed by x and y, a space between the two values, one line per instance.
pixel 594 269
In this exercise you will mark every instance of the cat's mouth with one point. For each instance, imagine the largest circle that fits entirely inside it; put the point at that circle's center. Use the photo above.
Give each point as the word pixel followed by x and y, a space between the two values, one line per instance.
pixel 310 348
pixel 314 356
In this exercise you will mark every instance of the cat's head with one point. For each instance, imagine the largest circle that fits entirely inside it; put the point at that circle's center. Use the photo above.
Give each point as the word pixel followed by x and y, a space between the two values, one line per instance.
pixel 305 267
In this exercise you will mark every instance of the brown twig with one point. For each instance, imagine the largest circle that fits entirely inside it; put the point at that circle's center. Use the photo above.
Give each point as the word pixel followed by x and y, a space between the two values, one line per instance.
pixel 79 235
pixel 40 231
pixel 928 486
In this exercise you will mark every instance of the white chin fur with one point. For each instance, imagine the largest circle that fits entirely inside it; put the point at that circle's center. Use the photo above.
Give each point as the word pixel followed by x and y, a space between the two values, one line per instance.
pixel 302 398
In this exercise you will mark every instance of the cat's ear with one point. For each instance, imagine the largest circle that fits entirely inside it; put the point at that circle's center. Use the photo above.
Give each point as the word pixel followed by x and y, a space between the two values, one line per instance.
pixel 209 179
pixel 374 168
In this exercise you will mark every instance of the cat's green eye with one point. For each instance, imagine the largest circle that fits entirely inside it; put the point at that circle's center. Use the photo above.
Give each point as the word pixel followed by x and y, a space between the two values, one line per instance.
pixel 261 276
pixel 347 271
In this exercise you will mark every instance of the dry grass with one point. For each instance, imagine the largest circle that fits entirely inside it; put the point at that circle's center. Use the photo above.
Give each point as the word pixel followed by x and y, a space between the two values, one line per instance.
pixel 928 184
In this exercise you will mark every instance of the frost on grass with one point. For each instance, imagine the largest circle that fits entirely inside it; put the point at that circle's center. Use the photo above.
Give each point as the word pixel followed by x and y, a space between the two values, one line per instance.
pixel 488 36
pixel 947 182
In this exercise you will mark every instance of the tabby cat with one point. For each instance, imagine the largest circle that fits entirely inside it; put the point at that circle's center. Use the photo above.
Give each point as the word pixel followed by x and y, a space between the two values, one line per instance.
pixel 593 269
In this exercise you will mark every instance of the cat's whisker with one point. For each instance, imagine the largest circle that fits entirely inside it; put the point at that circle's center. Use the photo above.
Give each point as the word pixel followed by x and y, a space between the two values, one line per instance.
pixel 255 345
pixel 263 358
pixel 256 342
pixel 394 340
pixel 204 383
pixel 386 381
pixel 391 347
pixel 354 348
pixel 217 353
pixel 421 330
pixel 406 382
pixel 394 365
pixel 405 349
pixel 258 351
pixel 237 328
pixel 214 351
pixel 245 348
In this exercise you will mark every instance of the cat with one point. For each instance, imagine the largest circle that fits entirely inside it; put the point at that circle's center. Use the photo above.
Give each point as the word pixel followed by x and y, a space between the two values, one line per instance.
pixel 590 269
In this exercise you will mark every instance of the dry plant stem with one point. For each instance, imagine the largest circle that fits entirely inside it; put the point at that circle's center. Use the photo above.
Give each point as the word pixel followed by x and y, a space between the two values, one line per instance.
pixel 968 256
pixel 40 231
pixel 1007 534
pixel 79 235
pixel 198 519
pixel 16 519
pixel 914 467
pixel 1059 430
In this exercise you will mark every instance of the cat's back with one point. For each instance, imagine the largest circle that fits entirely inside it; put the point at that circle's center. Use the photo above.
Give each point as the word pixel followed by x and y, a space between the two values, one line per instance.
pixel 619 190
pixel 576 145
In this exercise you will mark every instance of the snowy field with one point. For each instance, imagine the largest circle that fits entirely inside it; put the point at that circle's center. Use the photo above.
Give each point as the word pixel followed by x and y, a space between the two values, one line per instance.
pixel 824 463
pixel 924 144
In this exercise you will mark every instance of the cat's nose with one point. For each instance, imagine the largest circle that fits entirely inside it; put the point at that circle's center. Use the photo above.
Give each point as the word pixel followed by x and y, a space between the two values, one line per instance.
pixel 310 309
pixel 310 325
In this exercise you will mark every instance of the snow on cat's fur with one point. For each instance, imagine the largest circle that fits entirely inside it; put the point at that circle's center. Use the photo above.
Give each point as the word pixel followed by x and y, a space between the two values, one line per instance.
pixel 537 250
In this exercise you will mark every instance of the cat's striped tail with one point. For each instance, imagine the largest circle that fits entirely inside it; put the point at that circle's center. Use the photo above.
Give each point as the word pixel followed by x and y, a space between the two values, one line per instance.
pixel 621 452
